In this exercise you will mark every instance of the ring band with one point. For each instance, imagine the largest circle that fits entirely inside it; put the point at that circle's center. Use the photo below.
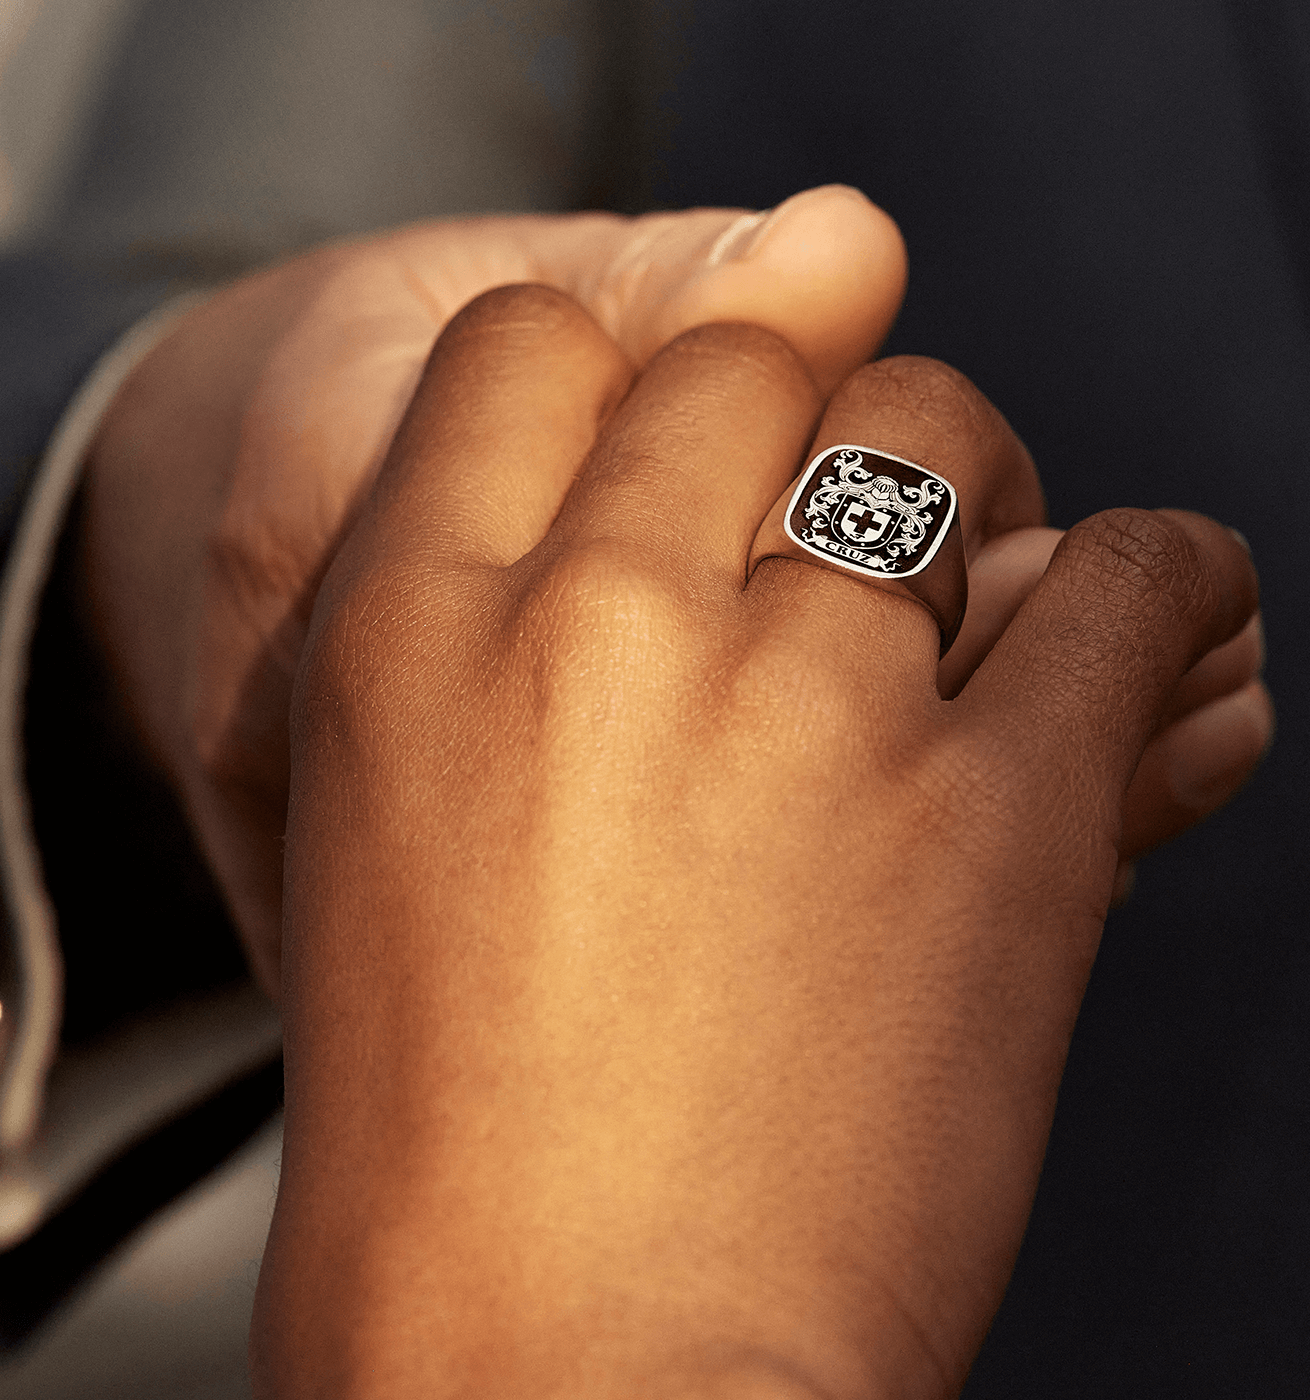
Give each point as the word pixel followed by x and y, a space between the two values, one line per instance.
pixel 889 521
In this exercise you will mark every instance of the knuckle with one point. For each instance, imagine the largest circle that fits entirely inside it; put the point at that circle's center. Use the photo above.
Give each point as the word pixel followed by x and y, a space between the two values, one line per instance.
pixel 960 787
pixel 591 594
pixel 808 693
pixel 913 382
pixel 1026 823
pixel 923 374
pixel 590 629
pixel 811 704
pixel 1141 559
pixel 527 328
pixel 373 649
pixel 520 308
pixel 937 416
pixel 727 356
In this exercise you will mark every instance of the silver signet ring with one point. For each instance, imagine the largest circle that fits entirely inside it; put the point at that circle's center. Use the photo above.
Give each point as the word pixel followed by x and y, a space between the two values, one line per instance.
pixel 888 521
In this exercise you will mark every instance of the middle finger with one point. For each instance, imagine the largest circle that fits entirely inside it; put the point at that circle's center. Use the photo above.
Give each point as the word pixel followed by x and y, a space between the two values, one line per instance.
pixel 687 466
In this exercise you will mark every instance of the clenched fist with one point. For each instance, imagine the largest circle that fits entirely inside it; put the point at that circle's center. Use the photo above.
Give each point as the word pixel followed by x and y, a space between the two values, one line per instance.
pixel 229 467
pixel 679 967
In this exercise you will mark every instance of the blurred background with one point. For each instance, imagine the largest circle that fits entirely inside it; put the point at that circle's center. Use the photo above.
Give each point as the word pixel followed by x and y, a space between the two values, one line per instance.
pixel 166 1317
pixel 242 129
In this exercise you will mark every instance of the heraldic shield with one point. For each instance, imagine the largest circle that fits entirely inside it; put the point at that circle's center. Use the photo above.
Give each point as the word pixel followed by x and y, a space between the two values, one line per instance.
pixel 870 512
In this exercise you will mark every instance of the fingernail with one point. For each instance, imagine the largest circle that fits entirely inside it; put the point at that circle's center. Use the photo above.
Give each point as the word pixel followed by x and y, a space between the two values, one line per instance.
pixel 1257 625
pixel 737 240
pixel 1209 752
pixel 1241 539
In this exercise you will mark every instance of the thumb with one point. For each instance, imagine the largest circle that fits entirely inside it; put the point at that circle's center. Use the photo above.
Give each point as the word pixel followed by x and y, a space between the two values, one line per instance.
pixel 825 270
pixel 1130 601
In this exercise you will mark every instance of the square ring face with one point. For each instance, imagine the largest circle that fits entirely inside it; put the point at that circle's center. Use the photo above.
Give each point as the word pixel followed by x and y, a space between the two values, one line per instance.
pixel 870 512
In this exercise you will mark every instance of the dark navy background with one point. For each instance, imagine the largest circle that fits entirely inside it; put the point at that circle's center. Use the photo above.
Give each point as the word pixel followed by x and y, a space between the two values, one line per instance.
pixel 1107 209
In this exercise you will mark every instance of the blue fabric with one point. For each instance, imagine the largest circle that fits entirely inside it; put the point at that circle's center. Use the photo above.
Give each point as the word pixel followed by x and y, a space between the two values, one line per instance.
pixel 1107 209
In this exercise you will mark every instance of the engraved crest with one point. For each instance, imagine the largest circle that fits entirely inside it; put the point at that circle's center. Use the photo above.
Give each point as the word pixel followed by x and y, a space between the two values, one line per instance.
pixel 870 512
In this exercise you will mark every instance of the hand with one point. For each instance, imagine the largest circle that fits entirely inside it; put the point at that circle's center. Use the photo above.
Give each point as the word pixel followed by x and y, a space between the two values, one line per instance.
pixel 229 467
pixel 678 987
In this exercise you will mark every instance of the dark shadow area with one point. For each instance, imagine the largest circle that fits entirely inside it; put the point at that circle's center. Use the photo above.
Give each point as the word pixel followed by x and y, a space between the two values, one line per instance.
pixel 141 922
pixel 141 926
pixel 49 1267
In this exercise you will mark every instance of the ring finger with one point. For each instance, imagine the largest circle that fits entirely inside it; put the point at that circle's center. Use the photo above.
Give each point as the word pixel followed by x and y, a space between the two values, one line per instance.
pixel 925 413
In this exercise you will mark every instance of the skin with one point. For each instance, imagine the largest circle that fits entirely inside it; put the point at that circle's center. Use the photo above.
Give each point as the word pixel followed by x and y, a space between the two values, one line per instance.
pixel 230 466
pixel 677 971
pixel 676 985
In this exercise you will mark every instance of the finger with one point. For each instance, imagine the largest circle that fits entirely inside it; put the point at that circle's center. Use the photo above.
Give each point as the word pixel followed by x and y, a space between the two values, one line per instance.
pixel 687 466
pixel 1194 766
pixel 924 411
pixel 1129 603
pixel 506 410
pixel 1219 672
pixel 1002 573
pixel 1189 769
pixel 1006 570
pixel 825 270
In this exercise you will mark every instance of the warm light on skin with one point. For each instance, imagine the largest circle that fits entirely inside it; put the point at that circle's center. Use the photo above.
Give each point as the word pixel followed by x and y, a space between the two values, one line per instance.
pixel 579 943
pixel 602 746
pixel 282 393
